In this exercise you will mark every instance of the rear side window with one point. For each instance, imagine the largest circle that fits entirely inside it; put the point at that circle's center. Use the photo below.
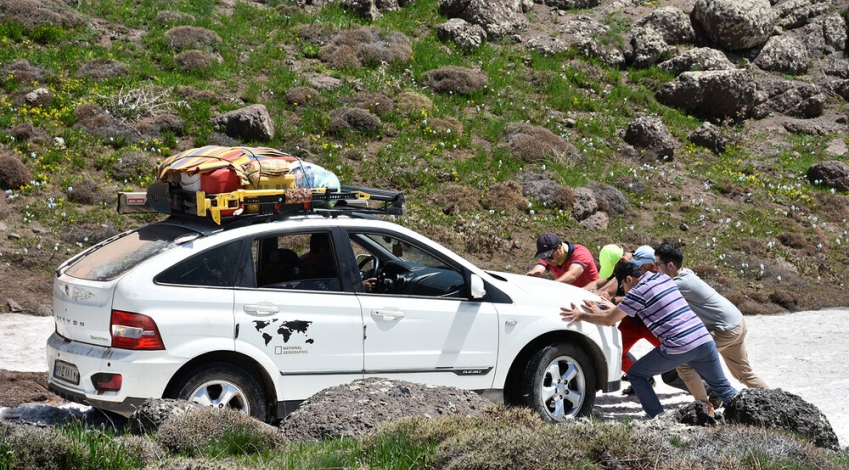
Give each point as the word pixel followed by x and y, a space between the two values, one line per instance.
pixel 216 267
pixel 125 253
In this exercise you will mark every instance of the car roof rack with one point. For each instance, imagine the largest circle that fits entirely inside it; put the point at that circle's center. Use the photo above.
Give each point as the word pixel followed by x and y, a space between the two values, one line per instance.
pixel 252 205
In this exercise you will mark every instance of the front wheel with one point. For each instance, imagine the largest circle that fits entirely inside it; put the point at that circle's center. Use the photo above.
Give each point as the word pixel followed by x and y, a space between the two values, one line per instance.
pixel 559 383
pixel 224 385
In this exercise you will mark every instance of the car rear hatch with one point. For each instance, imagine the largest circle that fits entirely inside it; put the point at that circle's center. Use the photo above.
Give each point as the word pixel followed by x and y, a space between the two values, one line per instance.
pixel 84 285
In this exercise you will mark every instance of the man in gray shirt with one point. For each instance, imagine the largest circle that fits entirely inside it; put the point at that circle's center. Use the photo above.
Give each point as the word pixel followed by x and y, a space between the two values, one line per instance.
pixel 722 319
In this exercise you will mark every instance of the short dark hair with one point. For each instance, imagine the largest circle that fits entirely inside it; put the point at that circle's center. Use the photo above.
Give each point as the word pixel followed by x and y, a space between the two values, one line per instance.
pixel 670 252
pixel 624 269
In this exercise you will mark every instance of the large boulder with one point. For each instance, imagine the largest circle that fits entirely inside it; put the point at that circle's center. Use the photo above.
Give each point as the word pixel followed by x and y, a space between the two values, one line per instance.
pixel 499 18
pixel 783 54
pixel 778 409
pixel 735 24
pixel 697 59
pixel 716 94
pixel 650 134
pixel 794 13
pixel 249 123
pixel 832 173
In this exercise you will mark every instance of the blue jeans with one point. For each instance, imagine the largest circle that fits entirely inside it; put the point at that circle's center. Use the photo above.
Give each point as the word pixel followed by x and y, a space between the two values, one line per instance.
pixel 704 359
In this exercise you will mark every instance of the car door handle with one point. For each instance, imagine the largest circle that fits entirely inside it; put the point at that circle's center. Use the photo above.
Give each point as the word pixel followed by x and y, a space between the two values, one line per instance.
pixel 262 308
pixel 388 313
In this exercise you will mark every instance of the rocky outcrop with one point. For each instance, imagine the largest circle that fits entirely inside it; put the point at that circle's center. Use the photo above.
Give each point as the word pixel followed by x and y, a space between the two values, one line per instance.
pixel 698 59
pixel 832 173
pixel 468 36
pixel 499 18
pixel 777 409
pixel 570 4
pixel 648 47
pixel 248 123
pixel 735 24
pixel 652 136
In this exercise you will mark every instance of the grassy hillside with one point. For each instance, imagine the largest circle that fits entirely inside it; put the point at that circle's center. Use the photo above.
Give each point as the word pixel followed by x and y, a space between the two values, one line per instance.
pixel 94 96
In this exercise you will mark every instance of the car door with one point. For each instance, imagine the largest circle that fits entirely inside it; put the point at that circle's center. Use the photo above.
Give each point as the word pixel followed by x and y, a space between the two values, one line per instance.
pixel 419 324
pixel 296 312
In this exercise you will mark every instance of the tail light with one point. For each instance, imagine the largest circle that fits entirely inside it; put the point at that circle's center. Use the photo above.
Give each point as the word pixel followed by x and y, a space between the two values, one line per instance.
pixel 134 331
pixel 105 382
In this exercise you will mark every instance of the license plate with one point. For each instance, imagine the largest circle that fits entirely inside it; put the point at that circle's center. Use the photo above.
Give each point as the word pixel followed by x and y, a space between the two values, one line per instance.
pixel 67 372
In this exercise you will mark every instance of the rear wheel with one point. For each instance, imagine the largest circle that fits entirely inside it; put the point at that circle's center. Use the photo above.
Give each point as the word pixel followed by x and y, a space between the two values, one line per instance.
pixel 559 383
pixel 224 385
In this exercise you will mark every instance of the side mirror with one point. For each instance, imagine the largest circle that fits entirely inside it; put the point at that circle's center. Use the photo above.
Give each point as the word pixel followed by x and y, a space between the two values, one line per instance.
pixel 478 290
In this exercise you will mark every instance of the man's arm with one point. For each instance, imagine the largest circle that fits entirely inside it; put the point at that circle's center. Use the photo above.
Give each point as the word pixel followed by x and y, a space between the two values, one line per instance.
pixel 574 272
pixel 594 313
pixel 536 271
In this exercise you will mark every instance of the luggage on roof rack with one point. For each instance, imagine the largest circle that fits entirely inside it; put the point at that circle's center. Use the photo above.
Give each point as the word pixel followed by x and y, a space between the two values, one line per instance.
pixel 223 183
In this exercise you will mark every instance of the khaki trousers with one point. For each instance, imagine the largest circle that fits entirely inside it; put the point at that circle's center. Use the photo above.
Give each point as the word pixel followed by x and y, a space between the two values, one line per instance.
pixel 732 347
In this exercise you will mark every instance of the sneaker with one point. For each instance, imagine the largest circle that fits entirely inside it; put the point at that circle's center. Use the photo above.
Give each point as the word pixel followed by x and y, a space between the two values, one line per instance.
pixel 630 389
pixel 625 378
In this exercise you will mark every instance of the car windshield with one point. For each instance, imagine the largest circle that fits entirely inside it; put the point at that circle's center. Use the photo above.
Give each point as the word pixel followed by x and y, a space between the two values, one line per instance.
pixel 124 253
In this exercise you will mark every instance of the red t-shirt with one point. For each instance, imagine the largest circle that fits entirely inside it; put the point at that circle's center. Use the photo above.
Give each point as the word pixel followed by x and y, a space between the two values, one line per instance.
pixel 575 254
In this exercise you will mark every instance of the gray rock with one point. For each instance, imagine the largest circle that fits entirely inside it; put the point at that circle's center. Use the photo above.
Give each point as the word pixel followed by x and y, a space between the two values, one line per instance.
pixel 834 33
pixel 585 204
pixel 784 54
pixel 698 59
pixel 616 202
pixel 543 189
pixel 651 135
pixel 648 47
pixel 610 55
pixel 546 45
pixel 596 222
pixel 153 412
pixel 788 97
pixel 694 413
pixel 466 35
pixel 778 409
pixel 708 136
pixel 716 94
pixel 39 97
pixel 672 23
pixel 735 24
pixel 249 123
pixel 44 311
pixel 326 82
pixel 795 13
pixel 832 173
pixel 572 4
pixel 363 8
pixel 500 18
pixel 14 307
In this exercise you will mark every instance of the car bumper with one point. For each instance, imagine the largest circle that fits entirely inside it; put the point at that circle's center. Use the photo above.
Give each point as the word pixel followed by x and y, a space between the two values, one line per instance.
pixel 145 374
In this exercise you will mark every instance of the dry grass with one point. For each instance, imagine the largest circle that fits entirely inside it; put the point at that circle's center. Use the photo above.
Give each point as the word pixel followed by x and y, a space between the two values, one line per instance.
pixel 13 172
pixel 192 37
pixel 31 13
pixel 535 144
pixel 355 119
pixel 365 47
pixel 102 68
pixel 454 79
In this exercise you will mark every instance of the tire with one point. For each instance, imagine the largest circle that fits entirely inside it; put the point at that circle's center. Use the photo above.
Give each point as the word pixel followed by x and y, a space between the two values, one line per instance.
pixel 224 385
pixel 559 383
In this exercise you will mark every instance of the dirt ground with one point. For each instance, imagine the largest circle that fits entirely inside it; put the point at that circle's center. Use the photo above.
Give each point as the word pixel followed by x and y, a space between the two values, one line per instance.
pixel 17 388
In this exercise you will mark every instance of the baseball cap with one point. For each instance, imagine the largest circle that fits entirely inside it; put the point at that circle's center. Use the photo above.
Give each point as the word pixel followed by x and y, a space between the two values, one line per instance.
pixel 643 255
pixel 607 258
pixel 546 243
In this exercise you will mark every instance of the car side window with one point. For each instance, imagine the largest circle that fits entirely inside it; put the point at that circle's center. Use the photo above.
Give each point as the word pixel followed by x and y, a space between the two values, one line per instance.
pixel 216 267
pixel 391 265
pixel 298 261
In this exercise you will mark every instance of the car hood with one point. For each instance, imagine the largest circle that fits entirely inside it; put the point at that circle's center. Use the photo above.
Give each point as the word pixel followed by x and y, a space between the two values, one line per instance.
pixel 539 288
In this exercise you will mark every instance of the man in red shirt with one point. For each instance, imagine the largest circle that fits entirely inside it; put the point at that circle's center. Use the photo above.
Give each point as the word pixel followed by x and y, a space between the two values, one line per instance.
pixel 567 262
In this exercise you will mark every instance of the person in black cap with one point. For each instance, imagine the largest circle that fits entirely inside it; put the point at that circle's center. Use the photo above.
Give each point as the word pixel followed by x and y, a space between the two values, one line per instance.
pixel 567 262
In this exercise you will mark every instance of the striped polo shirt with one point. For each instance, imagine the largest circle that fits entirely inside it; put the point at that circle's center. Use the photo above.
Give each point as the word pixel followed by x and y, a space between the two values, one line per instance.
pixel 657 301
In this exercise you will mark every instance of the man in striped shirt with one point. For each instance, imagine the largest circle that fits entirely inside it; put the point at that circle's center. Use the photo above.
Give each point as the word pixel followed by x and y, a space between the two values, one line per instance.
pixel 655 298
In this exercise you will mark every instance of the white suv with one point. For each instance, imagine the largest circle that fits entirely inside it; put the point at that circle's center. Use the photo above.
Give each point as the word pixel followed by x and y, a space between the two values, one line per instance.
pixel 260 314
